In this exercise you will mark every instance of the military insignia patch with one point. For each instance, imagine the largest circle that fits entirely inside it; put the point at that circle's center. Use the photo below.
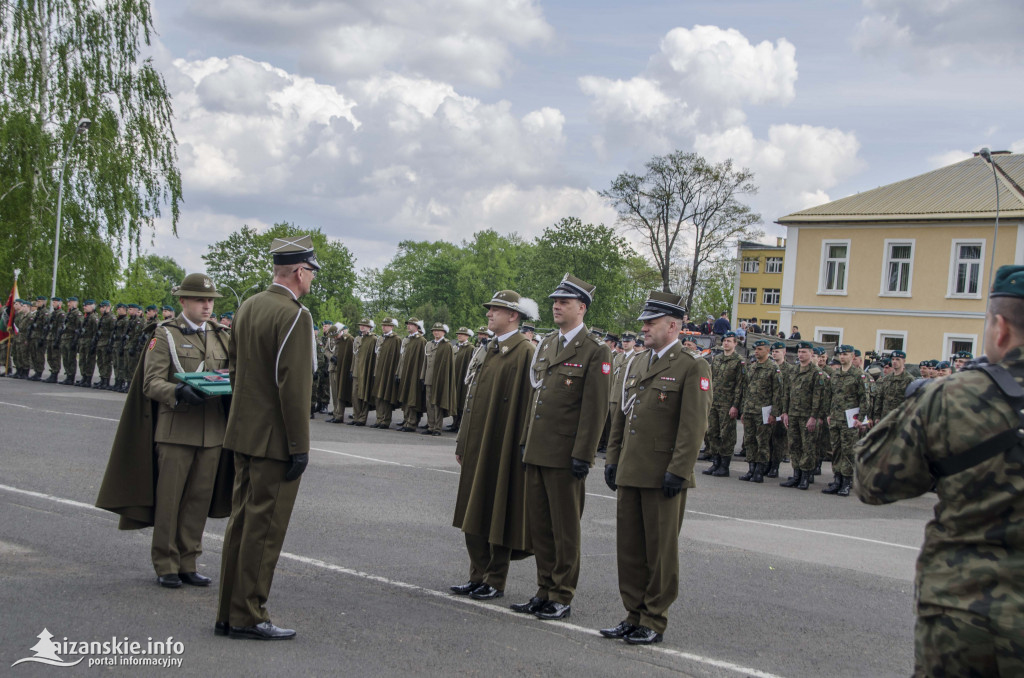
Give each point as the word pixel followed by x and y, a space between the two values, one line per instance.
pixel 606 368
pixel 568 382
pixel 705 384
pixel 663 396
pixel 152 343
pixel 504 349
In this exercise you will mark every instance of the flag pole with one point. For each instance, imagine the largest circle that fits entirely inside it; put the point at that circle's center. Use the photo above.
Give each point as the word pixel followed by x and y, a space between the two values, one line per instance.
pixel 7 358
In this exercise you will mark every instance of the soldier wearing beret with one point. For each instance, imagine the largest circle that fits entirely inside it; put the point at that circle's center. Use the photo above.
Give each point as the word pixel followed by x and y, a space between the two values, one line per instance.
pixel 570 376
pixel 167 313
pixel 132 343
pixel 849 407
pixel 490 507
pixel 104 340
pixel 88 337
pixel 763 392
pixel 656 437
pixel 55 327
pixel 727 378
pixel 961 358
pixel 892 389
pixel 22 353
pixel 271 358
pixel 961 437
pixel 67 341
pixel 36 336
pixel 780 439
pixel 805 413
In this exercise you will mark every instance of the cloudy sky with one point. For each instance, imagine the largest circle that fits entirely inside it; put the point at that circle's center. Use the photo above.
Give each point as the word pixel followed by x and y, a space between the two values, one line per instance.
pixel 384 120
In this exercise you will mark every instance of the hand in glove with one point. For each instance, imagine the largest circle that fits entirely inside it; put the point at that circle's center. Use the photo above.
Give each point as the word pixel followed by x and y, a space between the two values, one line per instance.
pixel 609 476
pixel 580 469
pixel 297 466
pixel 334 360
pixel 185 392
pixel 672 485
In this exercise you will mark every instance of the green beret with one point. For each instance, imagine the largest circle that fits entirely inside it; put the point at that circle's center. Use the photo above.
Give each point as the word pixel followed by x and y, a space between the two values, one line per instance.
pixel 845 348
pixel 55 299
pixel 151 307
pixel 761 342
pixel 226 314
pixel 729 334
pixel 942 365
pixel 1009 282
pixel 121 305
pixel 135 306
pixel 898 354
pixel 106 302
pixel 778 344
pixel 818 350
pixel 88 301
pixel 72 298
pixel 805 344
pixel 40 298
pixel 964 354
pixel 856 352
pixel 165 307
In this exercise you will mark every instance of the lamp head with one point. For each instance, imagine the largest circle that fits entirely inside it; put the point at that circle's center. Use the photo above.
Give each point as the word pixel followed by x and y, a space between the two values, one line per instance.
pixel 83 125
pixel 985 153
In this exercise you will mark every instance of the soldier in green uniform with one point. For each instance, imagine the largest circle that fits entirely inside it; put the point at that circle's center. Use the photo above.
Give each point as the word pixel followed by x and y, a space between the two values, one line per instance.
pixel 167 313
pixel 891 390
pixel 780 437
pixel 823 446
pixel 961 437
pixel 619 362
pixel 56 326
pixel 364 346
pixel 69 341
pixel 37 338
pixel 22 355
pixel 341 373
pixel 320 395
pixel 849 393
pixel 463 351
pixel 410 380
pixel 763 388
pixel 385 390
pixel 438 376
pixel 655 439
pixel 727 377
pixel 961 358
pixel 104 343
pixel 132 344
pixel 571 378
pixel 490 507
pixel 88 336
pixel 805 413
pixel 271 361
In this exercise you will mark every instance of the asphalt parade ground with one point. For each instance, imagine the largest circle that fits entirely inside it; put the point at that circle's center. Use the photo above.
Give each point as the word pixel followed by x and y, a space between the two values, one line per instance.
pixel 773 581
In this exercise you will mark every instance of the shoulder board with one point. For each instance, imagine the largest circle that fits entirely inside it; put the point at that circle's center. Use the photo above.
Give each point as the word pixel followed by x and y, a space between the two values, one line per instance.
pixel 597 340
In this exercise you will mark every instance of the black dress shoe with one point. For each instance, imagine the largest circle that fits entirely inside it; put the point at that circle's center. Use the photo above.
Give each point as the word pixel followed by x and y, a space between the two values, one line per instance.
pixel 406 429
pixel 428 432
pixel 643 636
pixel 264 631
pixel 221 629
pixel 332 420
pixel 194 579
pixel 529 607
pixel 169 581
pixel 621 631
pixel 465 589
pixel 486 592
pixel 435 433
pixel 553 610
pixel 359 423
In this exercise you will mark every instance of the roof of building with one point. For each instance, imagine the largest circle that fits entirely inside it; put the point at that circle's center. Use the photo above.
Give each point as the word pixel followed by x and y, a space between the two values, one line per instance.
pixel 963 191
pixel 750 245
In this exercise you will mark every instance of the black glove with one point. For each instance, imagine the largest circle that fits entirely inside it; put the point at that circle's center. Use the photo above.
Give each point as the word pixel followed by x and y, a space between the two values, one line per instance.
pixel 580 469
pixel 334 360
pixel 185 392
pixel 297 466
pixel 609 476
pixel 672 485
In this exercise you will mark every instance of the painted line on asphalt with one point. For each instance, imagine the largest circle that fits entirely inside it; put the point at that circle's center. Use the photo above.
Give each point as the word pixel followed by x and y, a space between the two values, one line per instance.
pixel 383 461
pixel 324 565
pixel 61 412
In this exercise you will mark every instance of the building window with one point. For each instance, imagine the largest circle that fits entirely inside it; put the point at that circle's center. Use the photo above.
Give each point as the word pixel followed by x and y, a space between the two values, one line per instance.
pixel 959 342
pixel 835 259
pixel 898 268
pixel 965 268
pixel 771 296
pixel 748 295
pixel 751 264
pixel 828 335
pixel 887 341
pixel 770 327
pixel 773 265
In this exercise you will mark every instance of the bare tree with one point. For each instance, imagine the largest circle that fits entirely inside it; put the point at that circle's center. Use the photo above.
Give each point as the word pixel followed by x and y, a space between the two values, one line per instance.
pixel 682 194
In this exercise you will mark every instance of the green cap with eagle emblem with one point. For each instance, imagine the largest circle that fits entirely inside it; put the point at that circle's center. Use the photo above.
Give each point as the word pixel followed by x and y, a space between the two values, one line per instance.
pixel 196 285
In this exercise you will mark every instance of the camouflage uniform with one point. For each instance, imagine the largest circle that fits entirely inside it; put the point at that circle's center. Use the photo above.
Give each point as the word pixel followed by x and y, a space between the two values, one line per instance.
pixel 87 342
pixel 780 436
pixel 133 345
pixel 22 357
pixel 37 340
pixel 823 439
pixel 849 390
pixel 762 386
pixel 120 339
pixel 727 382
pixel 969 588
pixel 890 392
pixel 807 387
pixel 58 317
pixel 69 344
pixel 104 347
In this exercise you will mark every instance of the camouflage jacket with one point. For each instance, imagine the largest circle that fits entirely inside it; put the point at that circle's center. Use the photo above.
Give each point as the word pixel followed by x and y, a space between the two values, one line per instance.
pixel 72 321
pixel 762 386
pixel 90 328
pixel 807 387
pixel 890 392
pixel 106 329
pixel 57 318
pixel 727 380
pixel 787 370
pixel 849 390
pixel 973 552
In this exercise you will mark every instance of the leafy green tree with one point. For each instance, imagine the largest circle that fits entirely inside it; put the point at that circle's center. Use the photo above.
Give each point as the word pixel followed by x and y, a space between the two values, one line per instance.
pixel 149 279
pixel 683 202
pixel 62 61
pixel 242 265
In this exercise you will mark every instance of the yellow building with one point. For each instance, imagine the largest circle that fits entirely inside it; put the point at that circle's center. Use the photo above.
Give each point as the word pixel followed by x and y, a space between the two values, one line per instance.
pixel 758 292
pixel 905 266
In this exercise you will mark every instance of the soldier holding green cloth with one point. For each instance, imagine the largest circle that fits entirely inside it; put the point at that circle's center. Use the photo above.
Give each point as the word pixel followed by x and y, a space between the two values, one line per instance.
pixel 961 435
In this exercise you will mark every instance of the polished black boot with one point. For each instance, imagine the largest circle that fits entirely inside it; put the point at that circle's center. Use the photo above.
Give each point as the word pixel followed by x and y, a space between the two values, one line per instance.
pixel 52 379
pixel 710 470
pixel 794 480
pixel 750 472
pixel 844 489
pixel 773 470
pixel 723 468
pixel 759 469
pixel 805 480
pixel 834 486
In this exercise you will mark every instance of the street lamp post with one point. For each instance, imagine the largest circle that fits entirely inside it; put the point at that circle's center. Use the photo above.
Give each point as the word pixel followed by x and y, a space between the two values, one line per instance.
pixel 238 300
pixel 987 155
pixel 83 126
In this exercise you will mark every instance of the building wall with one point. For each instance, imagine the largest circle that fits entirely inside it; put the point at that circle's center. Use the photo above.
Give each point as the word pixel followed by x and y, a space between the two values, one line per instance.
pixel 928 314
pixel 760 281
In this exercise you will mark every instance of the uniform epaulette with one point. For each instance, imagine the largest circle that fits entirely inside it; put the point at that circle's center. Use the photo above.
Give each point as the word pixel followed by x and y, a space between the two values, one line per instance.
pixel 596 339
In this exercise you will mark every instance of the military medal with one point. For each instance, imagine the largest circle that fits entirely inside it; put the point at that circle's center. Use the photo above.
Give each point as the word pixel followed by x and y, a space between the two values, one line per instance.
pixel 662 396
pixel 568 382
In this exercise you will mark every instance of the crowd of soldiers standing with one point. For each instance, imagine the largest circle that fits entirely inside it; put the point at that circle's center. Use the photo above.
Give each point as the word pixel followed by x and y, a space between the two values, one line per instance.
pixel 81 341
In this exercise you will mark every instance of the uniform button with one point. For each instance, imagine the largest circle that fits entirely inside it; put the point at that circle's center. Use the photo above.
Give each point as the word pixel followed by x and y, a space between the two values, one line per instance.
pixel 632 432
pixel 641 388
pixel 537 417
pixel 634 417
pixel 543 388
pixel 539 402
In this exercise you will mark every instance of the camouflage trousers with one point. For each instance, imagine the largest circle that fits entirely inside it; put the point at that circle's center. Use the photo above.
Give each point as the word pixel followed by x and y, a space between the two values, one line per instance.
pixel 22 359
pixel 38 353
pixel 803 444
pixel 959 644
pixel 53 358
pixel 69 359
pixel 721 432
pixel 843 440
pixel 106 363
pixel 757 438
pixel 779 442
pixel 87 362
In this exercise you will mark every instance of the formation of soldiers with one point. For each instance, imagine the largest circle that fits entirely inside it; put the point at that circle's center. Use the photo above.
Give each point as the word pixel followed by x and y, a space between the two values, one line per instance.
pixel 82 341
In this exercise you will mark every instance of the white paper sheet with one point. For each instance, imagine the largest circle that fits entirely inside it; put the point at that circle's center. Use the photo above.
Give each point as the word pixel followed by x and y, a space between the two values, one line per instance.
pixel 765 413
pixel 851 414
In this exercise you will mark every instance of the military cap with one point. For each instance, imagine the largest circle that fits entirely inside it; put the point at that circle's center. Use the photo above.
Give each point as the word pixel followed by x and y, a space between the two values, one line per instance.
pixel 629 336
pixel 40 298
pixel 366 322
pixel 121 305
pixel 483 330
pixel 88 301
pixel 332 330
pixel 511 300
pixel 572 287
pixel 527 328
pixel 295 249
pixel 389 321
pixel 886 362
pixel 662 303
pixel 151 307
pixel 942 365
pixel 439 326
pixel 72 299
pixel 1009 282
pixel 135 306
pixel 898 354
pixel 761 342
pixel 597 331
pixel 844 348
pixel 465 331
pixel 413 321
pixel 327 322
pixel 166 307
pixel 818 350
pixel 856 352
pixel 778 344
pixel 611 337
pixel 226 314
pixel 55 299
pixel 729 334
pixel 834 361
pixel 806 344
pixel 196 285
pixel 964 354
pixel 105 302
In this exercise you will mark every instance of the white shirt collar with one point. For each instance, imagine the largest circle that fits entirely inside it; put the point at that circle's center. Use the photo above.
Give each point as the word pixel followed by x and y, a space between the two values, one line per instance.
pixel 290 293
pixel 505 336
pixel 662 351
pixel 571 334
pixel 197 328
